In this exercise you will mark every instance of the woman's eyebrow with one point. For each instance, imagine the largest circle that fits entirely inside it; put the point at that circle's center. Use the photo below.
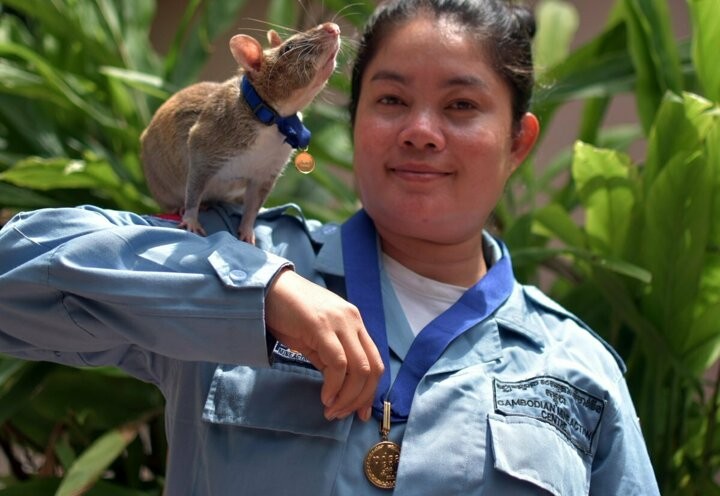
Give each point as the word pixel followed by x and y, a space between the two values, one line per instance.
pixel 467 80
pixel 462 80
pixel 386 75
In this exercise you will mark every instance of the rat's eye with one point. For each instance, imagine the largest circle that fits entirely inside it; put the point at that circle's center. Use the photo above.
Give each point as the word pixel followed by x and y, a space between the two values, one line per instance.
pixel 286 47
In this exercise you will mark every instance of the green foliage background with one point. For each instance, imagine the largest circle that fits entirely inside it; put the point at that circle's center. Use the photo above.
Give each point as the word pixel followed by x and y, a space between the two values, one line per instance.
pixel 633 247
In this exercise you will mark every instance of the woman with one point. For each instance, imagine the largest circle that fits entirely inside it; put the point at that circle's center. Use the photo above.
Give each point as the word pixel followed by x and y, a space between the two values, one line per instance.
pixel 478 385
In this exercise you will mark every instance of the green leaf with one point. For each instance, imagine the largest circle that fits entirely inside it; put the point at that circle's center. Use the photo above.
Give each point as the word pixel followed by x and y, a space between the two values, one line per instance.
pixel 600 68
pixel 609 264
pixel 702 344
pixel 356 12
pixel 17 390
pixel 556 221
pixel 15 197
pixel 705 43
pixel 62 85
pixel 654 53
pixel 93 462
pixel 283 12
pixel 103 488
pixel 557 22
pixel 35 487
pixel 607 194
pixel 104 401
pixel 48 174
pixel 190 50
pixel 8 368
pixel 680 127
pixel 710 284
pixel 674 242
pixel 593 115
pixel 31 129
pixel 148 83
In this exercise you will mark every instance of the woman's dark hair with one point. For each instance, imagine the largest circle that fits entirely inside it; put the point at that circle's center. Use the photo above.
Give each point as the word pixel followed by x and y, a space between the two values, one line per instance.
pixel 505 28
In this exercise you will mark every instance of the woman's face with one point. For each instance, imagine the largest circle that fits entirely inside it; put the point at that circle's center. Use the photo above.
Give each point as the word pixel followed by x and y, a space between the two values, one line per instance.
pixel 434 144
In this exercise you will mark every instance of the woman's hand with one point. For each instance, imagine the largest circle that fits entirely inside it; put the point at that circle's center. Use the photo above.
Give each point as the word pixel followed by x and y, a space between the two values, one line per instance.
pixel 330 333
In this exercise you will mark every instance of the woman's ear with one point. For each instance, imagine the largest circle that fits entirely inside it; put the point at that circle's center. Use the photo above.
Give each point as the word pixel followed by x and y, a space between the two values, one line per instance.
pixel 524 139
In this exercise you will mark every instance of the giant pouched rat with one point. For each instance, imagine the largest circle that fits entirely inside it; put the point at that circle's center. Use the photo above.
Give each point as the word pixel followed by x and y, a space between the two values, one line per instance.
pixel 230 141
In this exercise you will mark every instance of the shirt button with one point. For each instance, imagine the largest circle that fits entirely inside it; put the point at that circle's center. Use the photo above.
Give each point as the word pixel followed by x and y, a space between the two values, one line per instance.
pixel 238 275
pixel 329 228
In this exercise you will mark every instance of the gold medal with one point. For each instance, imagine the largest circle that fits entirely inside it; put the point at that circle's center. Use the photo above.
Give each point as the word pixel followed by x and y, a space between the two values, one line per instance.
pixel 381 462
pixel 304 162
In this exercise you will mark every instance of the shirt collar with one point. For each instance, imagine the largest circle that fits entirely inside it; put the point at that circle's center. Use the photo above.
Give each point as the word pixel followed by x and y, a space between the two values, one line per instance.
pixel 514 315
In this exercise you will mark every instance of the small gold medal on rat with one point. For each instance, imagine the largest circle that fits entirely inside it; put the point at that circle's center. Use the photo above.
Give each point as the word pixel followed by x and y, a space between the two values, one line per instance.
pixel 381 462
pixel 304 162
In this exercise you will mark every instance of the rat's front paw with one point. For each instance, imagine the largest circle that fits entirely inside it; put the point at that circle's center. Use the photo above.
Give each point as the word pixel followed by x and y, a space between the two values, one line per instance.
pixel 192 225
pixel 246 235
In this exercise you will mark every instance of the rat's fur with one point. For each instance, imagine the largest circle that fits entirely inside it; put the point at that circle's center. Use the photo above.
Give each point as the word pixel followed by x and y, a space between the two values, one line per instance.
pixel 204 144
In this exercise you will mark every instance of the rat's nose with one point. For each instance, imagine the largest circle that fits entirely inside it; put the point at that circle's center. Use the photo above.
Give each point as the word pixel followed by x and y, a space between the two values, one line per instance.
pixel 331 28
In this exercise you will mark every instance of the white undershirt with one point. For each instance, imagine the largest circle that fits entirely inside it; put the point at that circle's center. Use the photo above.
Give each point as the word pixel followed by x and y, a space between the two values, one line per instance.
pixel 421 298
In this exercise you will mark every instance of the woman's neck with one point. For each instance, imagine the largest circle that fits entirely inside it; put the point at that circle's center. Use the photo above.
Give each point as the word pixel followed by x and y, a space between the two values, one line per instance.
pixel 460 264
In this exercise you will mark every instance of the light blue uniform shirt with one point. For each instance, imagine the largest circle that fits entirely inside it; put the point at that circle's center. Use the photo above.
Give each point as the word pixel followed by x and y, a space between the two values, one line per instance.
pixel 527 402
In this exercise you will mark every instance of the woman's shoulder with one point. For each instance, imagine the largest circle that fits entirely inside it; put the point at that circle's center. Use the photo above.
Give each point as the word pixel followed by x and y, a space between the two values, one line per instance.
pixel 559 331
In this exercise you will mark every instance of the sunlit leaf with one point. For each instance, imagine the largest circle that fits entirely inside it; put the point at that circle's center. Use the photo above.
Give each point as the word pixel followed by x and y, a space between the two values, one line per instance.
pixel 148 83
pixel 675 239
pixel 61 83
pixel 607 195
pixel 557 22
pixel 48 174
pixel 705 43
pixel 701 347
pixel 680 127
pixel 91 464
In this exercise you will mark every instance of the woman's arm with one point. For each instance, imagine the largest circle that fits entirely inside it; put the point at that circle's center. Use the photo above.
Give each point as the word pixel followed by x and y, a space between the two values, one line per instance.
pixel 94 285
pixel 89 280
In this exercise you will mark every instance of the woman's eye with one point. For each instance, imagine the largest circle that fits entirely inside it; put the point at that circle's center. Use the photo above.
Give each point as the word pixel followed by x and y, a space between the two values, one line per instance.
pixel 389 100
pixel 463 105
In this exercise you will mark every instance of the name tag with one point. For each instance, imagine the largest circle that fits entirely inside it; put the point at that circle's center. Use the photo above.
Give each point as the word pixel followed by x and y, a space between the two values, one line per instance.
pixel 573 412
pixel 283 354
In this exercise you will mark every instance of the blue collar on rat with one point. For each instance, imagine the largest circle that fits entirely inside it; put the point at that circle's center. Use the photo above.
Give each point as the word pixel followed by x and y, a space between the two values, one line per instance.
pixel 296 135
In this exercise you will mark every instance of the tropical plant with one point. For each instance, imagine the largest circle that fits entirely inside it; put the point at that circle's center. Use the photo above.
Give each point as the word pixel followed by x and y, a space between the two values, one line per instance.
pixel 631 244
pixel 641 265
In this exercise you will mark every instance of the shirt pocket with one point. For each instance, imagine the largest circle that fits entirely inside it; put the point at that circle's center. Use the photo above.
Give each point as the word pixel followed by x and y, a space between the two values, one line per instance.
pixel 532 451
pixel 282 398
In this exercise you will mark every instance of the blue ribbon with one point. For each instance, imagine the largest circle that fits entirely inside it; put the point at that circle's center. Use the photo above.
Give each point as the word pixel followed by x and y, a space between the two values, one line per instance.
pixel 362 280
pixel 296 134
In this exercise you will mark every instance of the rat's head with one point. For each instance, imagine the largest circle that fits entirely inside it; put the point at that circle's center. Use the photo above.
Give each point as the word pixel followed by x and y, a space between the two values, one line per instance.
pixel 290 73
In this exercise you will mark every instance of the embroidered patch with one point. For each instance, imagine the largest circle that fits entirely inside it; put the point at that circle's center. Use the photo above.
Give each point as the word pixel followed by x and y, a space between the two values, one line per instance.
pixel 284 354
pixel 572 411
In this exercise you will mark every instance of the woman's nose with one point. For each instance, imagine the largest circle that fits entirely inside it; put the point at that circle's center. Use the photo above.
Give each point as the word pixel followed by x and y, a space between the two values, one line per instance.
pixel 422 130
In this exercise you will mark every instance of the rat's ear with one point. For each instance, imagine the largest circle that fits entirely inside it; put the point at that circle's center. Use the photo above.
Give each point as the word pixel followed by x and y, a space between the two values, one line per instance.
pixel 247 52
pixel 274 38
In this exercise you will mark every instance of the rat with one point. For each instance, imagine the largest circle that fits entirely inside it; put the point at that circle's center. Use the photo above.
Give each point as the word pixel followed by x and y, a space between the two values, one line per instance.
pixel 230 141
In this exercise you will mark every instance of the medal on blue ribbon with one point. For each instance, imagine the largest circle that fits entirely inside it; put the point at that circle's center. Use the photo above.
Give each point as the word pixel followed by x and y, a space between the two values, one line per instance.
pixel 362 280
